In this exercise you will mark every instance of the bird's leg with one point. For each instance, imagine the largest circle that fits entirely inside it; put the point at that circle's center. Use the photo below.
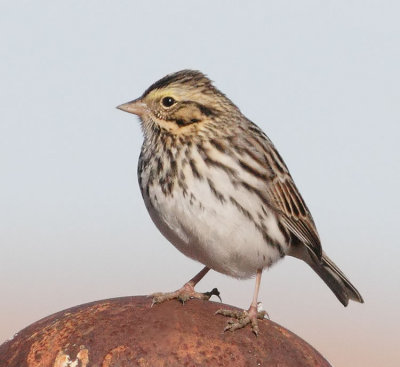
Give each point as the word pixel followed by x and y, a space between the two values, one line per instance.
pixel 187 291
pixel 246 317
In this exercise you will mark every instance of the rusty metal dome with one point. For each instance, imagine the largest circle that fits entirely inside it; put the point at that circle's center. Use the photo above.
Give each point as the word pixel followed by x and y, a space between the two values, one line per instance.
pixel 125 332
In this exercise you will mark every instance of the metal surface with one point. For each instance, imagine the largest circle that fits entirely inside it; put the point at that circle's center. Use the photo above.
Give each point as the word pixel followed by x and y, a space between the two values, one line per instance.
pixel 126 332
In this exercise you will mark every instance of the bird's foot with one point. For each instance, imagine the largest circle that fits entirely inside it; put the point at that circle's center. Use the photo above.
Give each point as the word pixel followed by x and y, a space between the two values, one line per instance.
pixel 243 318
pixel 184 294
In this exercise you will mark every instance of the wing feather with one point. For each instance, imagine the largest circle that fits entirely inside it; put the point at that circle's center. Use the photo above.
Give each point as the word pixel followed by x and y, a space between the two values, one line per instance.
pixel 295 214
pixel 283 194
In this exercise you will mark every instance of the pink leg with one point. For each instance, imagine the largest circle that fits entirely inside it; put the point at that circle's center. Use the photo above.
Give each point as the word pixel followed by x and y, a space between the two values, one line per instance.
pixel 253 307
pixel 198 276
pixel 187 291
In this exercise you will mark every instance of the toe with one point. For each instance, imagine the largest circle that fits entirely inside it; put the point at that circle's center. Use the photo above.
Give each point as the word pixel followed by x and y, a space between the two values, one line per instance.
pixel 183 297
pixel 239 324
pixel 230 313
pixel 254 326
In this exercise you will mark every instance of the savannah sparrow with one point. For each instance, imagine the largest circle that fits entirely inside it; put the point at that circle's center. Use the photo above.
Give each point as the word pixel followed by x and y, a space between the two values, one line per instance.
pixel 218 190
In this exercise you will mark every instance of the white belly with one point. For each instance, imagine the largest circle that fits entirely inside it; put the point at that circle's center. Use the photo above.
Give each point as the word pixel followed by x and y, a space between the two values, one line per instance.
pixel 214 233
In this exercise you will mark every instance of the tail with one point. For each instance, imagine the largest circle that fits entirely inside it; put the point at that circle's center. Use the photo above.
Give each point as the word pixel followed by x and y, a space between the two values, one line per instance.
pixel 334 279
pixel 331 275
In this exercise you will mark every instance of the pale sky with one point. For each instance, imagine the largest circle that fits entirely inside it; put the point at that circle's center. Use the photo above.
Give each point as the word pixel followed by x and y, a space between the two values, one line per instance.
pixel 321 78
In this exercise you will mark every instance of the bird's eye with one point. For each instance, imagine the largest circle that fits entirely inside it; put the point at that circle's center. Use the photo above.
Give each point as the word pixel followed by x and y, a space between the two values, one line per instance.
pixel 167 101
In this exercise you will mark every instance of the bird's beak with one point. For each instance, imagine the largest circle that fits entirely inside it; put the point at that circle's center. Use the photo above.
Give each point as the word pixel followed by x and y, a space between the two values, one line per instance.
pixel 136 106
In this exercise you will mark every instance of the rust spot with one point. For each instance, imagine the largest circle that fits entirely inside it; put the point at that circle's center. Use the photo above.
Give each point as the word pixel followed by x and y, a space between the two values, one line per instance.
pixel 143 363
pixel 115 355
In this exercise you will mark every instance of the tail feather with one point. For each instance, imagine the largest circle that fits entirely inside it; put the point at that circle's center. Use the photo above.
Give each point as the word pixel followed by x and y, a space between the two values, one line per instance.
pixel 335 279
pixel 330 274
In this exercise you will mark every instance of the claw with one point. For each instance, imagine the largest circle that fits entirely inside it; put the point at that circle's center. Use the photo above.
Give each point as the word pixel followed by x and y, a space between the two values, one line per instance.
pixel 213 292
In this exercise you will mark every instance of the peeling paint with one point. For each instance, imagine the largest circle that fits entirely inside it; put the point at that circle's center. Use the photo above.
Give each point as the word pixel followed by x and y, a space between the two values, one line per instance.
pixel 64 360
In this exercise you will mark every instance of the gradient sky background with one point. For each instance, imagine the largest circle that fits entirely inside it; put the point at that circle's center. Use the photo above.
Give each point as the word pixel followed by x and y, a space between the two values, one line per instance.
pixel 320 77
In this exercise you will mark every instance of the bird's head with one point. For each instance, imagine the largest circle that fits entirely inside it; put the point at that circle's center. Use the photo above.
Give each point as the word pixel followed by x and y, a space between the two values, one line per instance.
pixel 179 103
